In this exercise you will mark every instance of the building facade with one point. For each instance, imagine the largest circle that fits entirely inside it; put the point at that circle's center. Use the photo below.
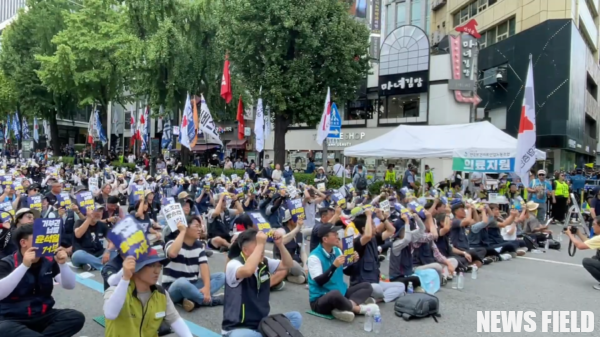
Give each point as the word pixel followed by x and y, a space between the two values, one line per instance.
pixel 9 10
pixel 562 38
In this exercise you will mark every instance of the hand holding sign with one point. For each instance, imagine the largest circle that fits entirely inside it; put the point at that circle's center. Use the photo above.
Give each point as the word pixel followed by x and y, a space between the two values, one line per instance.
pixel 348 246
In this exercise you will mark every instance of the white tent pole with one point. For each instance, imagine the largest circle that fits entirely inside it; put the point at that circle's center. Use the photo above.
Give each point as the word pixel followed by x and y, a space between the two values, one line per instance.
pixel 344 168
pixel 422 178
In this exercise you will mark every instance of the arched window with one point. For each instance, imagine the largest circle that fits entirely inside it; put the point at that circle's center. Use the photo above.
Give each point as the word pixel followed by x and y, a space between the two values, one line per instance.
pixel 404 50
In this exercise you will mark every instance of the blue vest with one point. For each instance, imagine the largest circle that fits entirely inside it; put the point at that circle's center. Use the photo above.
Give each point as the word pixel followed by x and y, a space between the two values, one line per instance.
pixel 336 282
pixel 367 267
pixel 33 295
pixel 423 255
pixel 401 265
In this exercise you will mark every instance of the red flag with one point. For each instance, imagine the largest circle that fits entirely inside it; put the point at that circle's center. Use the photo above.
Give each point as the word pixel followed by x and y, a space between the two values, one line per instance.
pixel 225 83
pixel 240 119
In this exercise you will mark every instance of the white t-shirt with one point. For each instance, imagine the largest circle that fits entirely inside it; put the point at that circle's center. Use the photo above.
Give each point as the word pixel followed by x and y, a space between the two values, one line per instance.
pixel 338 170
pixel 509 237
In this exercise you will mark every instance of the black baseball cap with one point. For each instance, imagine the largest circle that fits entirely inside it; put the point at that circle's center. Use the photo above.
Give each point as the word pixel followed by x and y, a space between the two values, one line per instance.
pixel 326 229
pixel 324 210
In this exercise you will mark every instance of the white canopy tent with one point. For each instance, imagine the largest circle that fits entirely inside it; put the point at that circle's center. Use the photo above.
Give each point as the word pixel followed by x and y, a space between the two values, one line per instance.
pixel 436 141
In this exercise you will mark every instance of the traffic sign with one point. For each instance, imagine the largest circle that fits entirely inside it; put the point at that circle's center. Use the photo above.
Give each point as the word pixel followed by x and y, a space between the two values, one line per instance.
pixel 335 126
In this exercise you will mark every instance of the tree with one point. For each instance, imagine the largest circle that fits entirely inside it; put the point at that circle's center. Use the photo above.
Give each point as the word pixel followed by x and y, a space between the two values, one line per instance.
pixel 93 56
pixel 31 35
pixel 295 49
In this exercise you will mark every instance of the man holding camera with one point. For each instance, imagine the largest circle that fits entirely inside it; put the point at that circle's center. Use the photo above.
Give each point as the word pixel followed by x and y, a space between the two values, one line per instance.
pixel 592 265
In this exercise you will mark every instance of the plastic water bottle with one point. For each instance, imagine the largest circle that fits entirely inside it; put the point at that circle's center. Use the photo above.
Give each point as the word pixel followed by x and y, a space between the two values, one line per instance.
pixel 368 321
pixel 461 281
pixel 560 236
pixel 388 254
pixel 410 288
pixel 474 273
pixel 454 281
pixel 377 323
pixel 546 245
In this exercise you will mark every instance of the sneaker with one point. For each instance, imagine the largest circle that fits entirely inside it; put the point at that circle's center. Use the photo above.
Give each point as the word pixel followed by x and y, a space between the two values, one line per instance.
pixel 86 267
pixel 209 253
pixel 297 279
pixel 381 258
pixel 521 252
pixel 513 254
pixel 597 286
pixel 419 289
pixel 505 257
pixel 487 260
pixel 370 300
pixel 278 287
pixel 444 281
pixel 217 299
pixel 344 316
pixel 188 305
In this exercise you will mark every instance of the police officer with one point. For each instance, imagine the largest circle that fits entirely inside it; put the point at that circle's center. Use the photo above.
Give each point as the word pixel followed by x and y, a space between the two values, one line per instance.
pixel 26 284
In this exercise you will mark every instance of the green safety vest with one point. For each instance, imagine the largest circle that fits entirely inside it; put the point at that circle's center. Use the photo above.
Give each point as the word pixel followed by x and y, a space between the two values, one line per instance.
pixel 429 177
pixel 562 189
pixel 134 319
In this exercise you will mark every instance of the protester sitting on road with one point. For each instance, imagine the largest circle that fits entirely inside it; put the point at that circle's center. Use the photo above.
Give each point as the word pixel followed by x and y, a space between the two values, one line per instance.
pixel 88 249
pixel 367 267
pixel 591 264
pixel 496 230
pixel 401 261
pixel 247 286
pixel 143 218
pixel 466 255
pixel 312 198
pixel 219 220
pixel 479 237
pixel 293 242
pixel 137 297
pixel 532 225
pixel 275 208
pixel 328 293
pixel 187 260
pixel 26 285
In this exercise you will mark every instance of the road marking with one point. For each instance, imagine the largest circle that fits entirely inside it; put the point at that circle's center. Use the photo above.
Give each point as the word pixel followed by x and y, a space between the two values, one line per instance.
pixel 194 328
pixel 549 261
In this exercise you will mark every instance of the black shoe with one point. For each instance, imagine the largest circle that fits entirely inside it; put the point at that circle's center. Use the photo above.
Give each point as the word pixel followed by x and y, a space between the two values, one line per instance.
pixel 487 260
pixel 217 299
pixel 381 258
pixel 209 253
pixel 223 249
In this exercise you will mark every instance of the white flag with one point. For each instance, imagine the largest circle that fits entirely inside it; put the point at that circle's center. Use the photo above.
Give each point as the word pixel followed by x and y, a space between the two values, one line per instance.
pixel 259 126
pixel 207 124
pixel 36 134
pixel 325 124
pixel 47 130
pixel 187 124
pixel 527 134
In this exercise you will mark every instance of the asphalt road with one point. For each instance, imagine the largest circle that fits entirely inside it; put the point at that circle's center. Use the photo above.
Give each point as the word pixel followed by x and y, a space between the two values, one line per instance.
pixel 536 282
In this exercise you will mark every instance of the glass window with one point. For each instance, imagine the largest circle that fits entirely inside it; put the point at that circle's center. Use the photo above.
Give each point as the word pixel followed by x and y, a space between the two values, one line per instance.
pixel 456 19
pixel 491 37
pixel 503 28
pixel 389 17
pixel 511 27
pixel 400 106
pixel 491 2
pixel 482 40
pixel 401 14
pixel 474 9
pixel 415 10
pixel 482 4
pixel 464 14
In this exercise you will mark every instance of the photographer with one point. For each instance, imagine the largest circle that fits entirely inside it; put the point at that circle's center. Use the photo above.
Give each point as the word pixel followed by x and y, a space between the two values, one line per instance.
pixel 592 265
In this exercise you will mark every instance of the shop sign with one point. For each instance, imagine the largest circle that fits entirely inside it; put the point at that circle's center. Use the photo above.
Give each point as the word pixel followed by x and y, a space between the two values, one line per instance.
pixel 463 54
pixel 484 161
pixel 224 129
pixel 403 84
pixel 572 144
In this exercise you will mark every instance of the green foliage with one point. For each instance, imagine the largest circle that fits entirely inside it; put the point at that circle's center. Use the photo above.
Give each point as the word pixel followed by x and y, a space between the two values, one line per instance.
pixel 8 95
pixel 294 50
pixel 93 56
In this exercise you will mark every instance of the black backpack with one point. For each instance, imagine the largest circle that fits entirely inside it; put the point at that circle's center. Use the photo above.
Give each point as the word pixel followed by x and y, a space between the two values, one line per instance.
pixel 417 305
pixel 277 326
pixel 361 183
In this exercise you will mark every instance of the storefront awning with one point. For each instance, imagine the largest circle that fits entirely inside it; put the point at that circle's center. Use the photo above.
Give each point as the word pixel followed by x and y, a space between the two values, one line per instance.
pixel 204 147
pixel 239 144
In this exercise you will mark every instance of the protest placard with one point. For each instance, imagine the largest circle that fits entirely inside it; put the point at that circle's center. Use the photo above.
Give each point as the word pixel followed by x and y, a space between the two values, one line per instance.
pixel 7 207
pixel 138 192
pixel 35 202
pixel 128 236
pixel 167 201
pixel 292 191
pixel 46 236
pixel 259 221
pixel 296 209
pixel 5 217
pixel 85 202
pixel 339 199
pixel 174 215
pixel 17 186
pixel 93 184
pixel 385 206
pixel 348 246
pixel 417 208
pixel 64 200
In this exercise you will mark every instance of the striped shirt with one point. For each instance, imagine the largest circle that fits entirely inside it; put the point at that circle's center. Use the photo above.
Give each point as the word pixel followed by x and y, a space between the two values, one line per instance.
pixel 186 264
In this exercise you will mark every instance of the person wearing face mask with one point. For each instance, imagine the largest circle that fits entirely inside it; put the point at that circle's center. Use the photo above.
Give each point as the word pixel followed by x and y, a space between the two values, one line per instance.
pixel 137 296
pixel 26 285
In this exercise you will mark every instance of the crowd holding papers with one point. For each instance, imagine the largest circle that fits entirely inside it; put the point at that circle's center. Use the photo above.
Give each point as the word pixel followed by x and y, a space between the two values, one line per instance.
pixel 46 236
pixel 85 202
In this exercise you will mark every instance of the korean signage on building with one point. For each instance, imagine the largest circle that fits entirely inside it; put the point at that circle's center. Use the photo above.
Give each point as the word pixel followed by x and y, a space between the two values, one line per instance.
pixel 401 84
pixel 375 29
pixel 494 161
pixel 404 62
pixel 463 53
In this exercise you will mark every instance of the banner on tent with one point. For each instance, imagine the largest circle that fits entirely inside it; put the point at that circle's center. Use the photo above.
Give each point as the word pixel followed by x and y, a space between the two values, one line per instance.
pixel 494 161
